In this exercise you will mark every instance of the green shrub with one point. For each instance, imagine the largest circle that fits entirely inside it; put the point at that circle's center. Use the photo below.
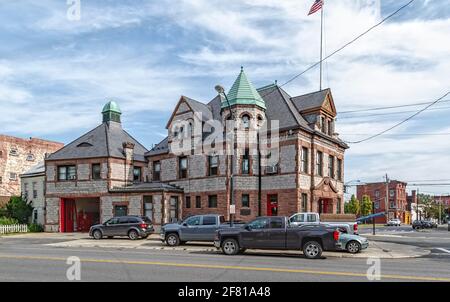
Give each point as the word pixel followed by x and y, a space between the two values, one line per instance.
pixel 8 221
pixel 35 228
pixel 19 209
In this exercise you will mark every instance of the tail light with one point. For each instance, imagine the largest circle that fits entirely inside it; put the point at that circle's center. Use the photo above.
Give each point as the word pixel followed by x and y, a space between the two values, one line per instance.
pixel 336 235
pixel 355 227
pixel 143 225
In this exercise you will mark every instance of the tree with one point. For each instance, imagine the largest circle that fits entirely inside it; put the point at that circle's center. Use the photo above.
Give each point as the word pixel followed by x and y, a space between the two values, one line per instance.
pixel 18 209
pixel 353 206
pixel 366 206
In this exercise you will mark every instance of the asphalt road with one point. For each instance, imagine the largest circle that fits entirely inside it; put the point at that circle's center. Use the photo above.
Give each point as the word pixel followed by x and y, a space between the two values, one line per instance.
pixel 25 259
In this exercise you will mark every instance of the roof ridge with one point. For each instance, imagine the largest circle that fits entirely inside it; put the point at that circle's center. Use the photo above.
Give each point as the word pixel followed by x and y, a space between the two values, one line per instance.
pixel 310 93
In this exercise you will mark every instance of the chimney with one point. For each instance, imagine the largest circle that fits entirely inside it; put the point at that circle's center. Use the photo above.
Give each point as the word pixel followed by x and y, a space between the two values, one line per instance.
pixel 128 151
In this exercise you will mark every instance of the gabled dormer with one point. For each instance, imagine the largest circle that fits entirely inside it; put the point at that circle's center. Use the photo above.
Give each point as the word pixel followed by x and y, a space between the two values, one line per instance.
pixel 318 109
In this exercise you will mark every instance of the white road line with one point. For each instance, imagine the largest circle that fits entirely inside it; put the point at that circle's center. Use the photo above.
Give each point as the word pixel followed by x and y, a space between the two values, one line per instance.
pixel 443 250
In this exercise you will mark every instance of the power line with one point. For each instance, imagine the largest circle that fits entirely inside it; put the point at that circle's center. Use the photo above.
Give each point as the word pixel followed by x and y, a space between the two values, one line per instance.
pixel 342 47
pixel 389 107
pixel 387 113
pixel 401 134
pixel 400 123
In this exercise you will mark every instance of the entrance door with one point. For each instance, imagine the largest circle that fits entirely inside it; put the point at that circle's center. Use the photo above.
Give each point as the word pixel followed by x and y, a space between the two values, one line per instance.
pixel 67 213
pixel 272 205
pixel 325 206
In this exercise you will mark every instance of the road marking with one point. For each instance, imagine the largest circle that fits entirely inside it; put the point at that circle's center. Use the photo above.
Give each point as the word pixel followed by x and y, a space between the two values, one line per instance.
pixel 230 267
pixel 443 250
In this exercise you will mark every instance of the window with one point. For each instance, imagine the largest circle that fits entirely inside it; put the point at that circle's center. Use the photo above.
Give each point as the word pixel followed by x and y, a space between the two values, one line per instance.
pixel 330 127
pixel 156 170
pixel 246 121
pixel 148 206
pixel 319 163
pixel 120 211
pixel 276 223
pixel 377 205
pixel 34 184
pixel 246 162
pixel 30 157
pixel 13 176
pixel 1 179
pixel 209 220
pixel 182 167
pixel 311 218
pixel 25 194
pixel 213 164
pixel 137 174
pixel 1 154
pixel 245 200
pixel 188 202
pixel 305 160
pixel 96 171
pixel 198 202
pixel 212 201
pixel 13 152
pixel 67 173
pixel 304 201
pixel 392 205
pixel 298 218
pixel 377 193
pixel 193 221
pixel 323 124
pixel 331 166
pixel 260 223
pixel 173 207
pixel 391 193
pixel 339 169
pixel 338 206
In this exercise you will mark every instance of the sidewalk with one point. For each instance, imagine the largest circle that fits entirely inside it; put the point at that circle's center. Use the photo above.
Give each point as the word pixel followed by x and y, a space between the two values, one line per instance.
pixel 382 250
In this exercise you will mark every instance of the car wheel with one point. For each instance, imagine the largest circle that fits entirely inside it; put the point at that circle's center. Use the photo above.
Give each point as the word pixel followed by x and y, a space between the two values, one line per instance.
pixel 133 235
pixel 97 234
pixel 172 240
pixel 312 250
pixel 353 247
pixel 230 247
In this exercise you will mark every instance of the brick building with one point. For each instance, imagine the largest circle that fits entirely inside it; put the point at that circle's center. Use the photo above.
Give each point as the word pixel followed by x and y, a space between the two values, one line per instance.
pixel 301 167
pixel 18 155
pixel 396 203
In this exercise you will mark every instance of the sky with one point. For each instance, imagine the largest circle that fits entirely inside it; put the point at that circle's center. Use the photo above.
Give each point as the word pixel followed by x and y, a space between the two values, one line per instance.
pixel 56 73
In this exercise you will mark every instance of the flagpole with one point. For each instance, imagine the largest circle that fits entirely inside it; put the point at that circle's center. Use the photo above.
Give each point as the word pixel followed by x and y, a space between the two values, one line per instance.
pixel 321 39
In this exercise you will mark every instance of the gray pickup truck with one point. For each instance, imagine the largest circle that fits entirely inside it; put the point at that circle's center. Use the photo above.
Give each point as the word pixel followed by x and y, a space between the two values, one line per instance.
pixel 276 233
pixel 194 228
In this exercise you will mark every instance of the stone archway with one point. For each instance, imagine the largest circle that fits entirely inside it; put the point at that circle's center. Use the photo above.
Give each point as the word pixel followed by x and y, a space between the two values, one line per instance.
pixel 325 197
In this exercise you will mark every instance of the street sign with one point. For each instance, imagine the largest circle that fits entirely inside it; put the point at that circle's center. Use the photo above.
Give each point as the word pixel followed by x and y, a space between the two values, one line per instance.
pixel 232 209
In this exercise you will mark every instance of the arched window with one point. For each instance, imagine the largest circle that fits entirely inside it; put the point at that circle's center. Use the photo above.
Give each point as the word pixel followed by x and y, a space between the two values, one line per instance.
pixel 246 121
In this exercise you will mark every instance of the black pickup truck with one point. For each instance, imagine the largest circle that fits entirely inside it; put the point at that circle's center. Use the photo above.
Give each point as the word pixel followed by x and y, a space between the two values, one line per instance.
pixel 277 234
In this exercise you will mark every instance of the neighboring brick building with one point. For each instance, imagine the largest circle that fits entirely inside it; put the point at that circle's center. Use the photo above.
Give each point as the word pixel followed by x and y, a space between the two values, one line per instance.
pixel 397 202
pixel 304 172
pixel 18 155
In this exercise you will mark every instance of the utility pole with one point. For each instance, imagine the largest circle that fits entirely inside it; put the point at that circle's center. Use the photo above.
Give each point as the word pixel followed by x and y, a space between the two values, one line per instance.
pixel 418 211
pixel 373 218
pixel 386 200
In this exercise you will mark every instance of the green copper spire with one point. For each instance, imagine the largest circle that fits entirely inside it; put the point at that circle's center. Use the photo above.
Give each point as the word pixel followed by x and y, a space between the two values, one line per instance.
pixel 111 112
pixel 243 93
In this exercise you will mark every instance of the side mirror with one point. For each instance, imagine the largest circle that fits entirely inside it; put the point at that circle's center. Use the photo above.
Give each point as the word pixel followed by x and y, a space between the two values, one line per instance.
pixel 185 224
pixel 248 228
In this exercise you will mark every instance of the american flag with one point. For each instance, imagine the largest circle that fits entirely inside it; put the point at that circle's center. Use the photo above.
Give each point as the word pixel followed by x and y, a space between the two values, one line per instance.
pixel 316 7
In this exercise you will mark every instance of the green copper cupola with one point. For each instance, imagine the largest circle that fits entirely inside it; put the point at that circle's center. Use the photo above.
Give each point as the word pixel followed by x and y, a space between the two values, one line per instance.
pixel 243 93
pixel 111 112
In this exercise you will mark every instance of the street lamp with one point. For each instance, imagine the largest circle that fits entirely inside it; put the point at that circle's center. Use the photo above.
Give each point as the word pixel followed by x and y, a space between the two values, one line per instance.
pixel 221 91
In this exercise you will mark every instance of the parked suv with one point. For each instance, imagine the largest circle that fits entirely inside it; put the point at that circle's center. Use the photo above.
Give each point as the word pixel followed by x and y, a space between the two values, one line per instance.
pixel 419 224
pixel 131 226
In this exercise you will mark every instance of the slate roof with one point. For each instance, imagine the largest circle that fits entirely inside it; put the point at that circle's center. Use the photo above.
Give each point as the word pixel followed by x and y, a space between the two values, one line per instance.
pixel 103 141
pixel 147 187
pixel 36 170
pixel 310 100
pixel 279 106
